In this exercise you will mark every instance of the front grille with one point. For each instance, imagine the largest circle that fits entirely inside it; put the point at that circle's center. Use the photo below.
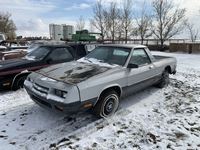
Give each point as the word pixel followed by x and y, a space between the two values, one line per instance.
pixel 40 101
pixel 40 89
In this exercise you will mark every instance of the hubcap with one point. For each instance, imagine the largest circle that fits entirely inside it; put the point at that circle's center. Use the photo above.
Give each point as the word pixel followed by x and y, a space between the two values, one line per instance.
pixel 109 106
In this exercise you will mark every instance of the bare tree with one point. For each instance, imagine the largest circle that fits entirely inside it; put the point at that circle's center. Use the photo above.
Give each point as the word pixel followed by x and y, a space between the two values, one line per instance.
pixel 80 24
pixel 144 24
pixel 192 31
pixel 98 20
pixel 112 20
pixel 126 16
pixel 7 25
pixel 91 28
pixel 169 20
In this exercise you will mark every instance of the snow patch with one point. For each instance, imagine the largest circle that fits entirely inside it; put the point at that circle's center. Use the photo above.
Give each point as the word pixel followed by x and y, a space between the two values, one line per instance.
pixel 97 62
pixel 154 118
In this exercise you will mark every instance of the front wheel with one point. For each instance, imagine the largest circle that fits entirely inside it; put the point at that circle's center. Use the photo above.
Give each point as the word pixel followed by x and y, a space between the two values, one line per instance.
pixel 107 105
pixel 164 81
pixel 19 83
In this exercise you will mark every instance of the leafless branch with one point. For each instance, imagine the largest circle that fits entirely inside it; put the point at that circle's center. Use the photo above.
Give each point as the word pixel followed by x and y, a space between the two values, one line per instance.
pixel 144 24
pixel 127 17
pixel 80 24
pixel 169 20
pixel 98 20
pixel 192 31
pixel 7 25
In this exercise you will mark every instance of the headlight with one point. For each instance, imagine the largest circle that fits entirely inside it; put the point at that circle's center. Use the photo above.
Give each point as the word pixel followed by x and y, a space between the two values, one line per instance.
pixel 60 93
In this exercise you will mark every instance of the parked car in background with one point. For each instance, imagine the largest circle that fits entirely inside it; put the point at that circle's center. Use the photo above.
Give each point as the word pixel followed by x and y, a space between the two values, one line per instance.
pixel 3 48
pixel 15 51
pixel 98 80
pixel 12 54
pixel 2 37
pixel 14 72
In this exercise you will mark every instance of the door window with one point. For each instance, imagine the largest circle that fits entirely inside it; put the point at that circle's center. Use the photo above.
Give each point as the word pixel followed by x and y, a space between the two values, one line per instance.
pixel 60 54
pixel 140 57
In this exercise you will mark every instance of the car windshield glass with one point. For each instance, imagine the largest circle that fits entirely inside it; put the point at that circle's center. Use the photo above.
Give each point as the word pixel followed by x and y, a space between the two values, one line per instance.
pixel 32 47
pixel 110 55
pixel 38 54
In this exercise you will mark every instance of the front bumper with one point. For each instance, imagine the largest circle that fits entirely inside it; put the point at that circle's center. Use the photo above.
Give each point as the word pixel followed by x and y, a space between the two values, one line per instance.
pixel 52 104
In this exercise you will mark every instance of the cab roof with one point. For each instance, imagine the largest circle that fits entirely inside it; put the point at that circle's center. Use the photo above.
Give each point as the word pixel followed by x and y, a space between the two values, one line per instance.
pixel 125 45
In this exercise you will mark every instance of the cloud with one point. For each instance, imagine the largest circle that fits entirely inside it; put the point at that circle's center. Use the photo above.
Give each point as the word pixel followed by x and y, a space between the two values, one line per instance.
pixel 78 6
pixel 192 13
pixel 27 15
pixel 26 6
pixel 32 17
pixel 32 27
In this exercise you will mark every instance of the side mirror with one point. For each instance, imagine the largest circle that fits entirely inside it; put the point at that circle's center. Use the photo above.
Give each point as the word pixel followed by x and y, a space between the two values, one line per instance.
pixel 131 66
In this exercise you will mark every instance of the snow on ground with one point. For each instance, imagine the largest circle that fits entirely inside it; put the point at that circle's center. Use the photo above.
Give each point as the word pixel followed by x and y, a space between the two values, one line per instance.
pixel 151 119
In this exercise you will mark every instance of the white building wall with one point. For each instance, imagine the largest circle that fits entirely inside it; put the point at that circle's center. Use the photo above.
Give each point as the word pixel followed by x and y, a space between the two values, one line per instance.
pixel 68 30
pixel 58 32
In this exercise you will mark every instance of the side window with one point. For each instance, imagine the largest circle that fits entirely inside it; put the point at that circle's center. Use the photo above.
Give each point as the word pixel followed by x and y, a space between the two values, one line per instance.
pixel 119 56
pixel 79 50
pixel 139 57
pixel 118 52
pixel 60 54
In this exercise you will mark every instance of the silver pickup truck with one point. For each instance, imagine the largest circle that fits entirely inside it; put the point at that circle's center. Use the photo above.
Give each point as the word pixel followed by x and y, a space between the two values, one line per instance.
pixel 100 79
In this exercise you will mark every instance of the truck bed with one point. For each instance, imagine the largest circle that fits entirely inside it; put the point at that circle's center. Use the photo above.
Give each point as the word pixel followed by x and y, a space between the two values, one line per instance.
pixel 158 57
pixel 166 61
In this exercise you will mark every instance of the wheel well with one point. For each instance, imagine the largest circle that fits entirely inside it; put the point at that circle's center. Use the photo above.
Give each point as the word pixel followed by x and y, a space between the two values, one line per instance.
pixel 19 76
pixel 115 88
pixel 168 68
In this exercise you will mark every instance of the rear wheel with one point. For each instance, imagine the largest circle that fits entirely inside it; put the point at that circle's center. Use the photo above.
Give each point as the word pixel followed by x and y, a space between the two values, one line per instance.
pixel 107 105
pixel 19 83
pixel 164 80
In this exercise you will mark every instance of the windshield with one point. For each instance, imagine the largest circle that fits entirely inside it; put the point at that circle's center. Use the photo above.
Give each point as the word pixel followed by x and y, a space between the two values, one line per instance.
pixel 110 55
pixel 38 54
pixel 32 47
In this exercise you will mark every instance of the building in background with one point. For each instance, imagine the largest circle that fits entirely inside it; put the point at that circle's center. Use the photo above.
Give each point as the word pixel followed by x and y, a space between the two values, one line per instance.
pixel 55 32
pixel 68 30
pixel 61 32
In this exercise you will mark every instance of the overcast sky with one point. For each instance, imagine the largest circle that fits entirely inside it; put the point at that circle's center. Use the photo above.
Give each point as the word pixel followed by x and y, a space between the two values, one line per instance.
pixel 32 17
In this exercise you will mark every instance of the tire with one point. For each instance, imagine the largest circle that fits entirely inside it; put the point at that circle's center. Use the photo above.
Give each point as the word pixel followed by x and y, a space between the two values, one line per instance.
pixel 107 104
pixel 164 81
pixel 19 83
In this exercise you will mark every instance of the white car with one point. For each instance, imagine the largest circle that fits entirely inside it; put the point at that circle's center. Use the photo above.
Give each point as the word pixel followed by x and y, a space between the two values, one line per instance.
pixel 98 80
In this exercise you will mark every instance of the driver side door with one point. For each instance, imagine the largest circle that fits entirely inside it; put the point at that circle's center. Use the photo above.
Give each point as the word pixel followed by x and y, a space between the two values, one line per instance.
pixel 142 76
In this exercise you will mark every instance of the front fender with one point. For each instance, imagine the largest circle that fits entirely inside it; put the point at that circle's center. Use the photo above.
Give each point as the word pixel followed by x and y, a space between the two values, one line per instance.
pixel 23 73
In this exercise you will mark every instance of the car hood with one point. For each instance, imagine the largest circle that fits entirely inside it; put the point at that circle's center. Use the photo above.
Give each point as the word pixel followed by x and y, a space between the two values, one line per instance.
pixel 14 64
pixel 73 72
